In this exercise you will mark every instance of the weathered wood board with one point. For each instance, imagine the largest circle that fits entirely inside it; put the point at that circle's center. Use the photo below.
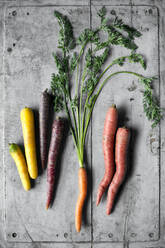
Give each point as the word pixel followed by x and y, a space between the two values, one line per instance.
pixel 31 35
pixel 49 245
pixel 136 213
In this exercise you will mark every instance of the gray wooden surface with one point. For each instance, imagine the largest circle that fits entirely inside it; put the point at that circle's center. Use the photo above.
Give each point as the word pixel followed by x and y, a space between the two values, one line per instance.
pixel 31 74
pixel 131 218
pixel 28 36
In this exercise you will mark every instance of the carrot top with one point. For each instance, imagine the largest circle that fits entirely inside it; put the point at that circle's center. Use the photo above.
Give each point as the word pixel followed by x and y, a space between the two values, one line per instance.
pixel 13 147
pixel 113 105
pixel 89 83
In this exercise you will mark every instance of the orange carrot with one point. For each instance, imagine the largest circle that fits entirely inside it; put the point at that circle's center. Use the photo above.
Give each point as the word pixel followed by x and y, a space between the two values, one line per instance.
pixel 110 126
pixel 122 140
pixel 82 175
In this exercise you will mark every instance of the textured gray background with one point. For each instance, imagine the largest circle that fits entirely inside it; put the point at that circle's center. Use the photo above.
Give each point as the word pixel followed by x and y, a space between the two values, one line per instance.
pixel 139 216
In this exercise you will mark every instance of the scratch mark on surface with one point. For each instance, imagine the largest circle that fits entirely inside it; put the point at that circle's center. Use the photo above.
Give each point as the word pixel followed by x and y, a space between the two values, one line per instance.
pixel 132 87
pixel 19 215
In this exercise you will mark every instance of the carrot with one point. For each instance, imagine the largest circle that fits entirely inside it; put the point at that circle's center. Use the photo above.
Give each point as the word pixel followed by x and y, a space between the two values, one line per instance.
pixel 56 138
pixel 44 113
pixel 20 162
pixel 110 126
pixel 82 175
pixel 27 119
pixel 122 140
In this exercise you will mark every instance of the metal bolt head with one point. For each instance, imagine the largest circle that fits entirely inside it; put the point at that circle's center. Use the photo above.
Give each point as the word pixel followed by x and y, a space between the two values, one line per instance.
pixel 14 13
pixel 14 235
pixel 113 12
pixel 151 235
pixel 65 235
pixel 133 235
pixel 110 235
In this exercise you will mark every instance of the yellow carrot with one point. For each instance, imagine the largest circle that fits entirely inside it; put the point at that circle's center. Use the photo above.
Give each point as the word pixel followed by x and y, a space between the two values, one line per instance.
pixel 27 119
pixel 20 162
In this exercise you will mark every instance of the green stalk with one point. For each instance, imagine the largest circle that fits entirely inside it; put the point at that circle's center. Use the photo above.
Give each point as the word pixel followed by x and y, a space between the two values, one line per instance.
pixel 73 113
pixel 81 94
pixel 98 92
pixel 78 150
pixel 76 90
pixel 106 69
pixel 78 60
pixel 77 76
pixel 102 74
pixel 78 109
pixel 71 127
pixel 67 110
pixel 74 119
pixel 81 148
pixel 115 73
pixel 87 99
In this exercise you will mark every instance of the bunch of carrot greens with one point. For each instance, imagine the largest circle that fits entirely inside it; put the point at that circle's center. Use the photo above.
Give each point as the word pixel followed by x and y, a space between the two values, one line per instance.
pixel 89 83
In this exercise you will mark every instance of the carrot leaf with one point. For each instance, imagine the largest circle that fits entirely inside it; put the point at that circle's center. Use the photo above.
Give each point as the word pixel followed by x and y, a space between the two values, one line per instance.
pixel 66 39
pixel 132 32
pixel 150 104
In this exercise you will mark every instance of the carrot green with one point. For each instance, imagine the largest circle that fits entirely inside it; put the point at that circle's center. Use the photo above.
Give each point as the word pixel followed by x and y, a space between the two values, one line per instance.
pixel 89 83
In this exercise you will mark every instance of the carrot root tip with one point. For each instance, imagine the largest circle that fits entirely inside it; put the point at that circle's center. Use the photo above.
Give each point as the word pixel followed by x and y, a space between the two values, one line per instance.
pixel 108 212
pixel 47 206
pixel 97 202
pixel 78 229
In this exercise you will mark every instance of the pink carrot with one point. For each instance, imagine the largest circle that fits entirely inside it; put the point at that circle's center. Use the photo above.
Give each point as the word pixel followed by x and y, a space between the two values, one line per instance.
pixel 110 126
pixel 122 140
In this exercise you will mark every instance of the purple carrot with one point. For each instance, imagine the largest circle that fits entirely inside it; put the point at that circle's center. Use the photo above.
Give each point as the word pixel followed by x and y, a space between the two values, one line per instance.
pixel 44 115
pixel 56 138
